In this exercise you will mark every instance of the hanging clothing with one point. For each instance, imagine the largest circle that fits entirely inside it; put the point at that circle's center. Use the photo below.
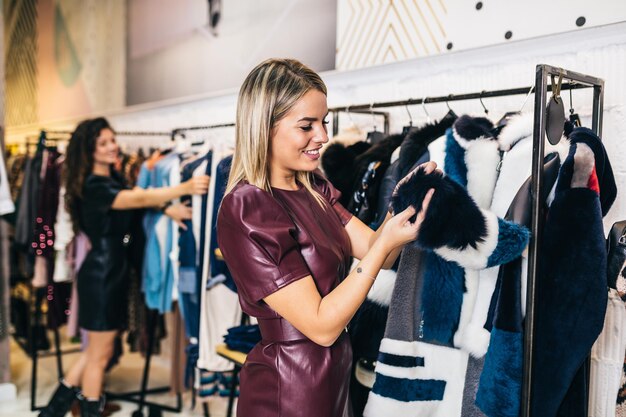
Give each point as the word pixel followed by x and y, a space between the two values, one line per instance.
pixel 189 282
pixel 607 359
pixel 28 203
pixel 369 170
pixel 158 270
pixel 102 280
pixel 435 288
pixel 284 237
pixel 219 270
pixel 219 308
pixel 6 202
pixel 566 329
pixel 63 235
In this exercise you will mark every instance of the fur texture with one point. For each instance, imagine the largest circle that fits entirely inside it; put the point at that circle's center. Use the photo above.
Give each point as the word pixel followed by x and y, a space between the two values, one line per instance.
pixel 468 128
pixel 442 298
pixel 338 165
pixel 367 329
pixel 606 179
pixel 446 365
pixel 416 143
pixel 381 291
pixel 495 377
pixel 476 256
pixel 482 159
pixel 452 220
pixel 573 301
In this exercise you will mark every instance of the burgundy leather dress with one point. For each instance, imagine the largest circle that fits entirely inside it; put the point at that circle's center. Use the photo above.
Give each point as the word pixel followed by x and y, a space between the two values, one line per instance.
pixel 269 242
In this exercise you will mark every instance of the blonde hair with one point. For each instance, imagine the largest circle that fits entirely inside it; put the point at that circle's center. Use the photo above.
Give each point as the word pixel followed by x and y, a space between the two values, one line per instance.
pixel 266 96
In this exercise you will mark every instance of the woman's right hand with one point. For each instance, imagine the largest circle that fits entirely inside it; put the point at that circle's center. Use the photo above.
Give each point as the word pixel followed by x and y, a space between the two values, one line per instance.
pixel 398 231
pixel 197 185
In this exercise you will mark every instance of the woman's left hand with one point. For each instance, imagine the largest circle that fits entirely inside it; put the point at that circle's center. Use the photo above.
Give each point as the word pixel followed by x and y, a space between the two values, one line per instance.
pixel 428 167
pixel 179 212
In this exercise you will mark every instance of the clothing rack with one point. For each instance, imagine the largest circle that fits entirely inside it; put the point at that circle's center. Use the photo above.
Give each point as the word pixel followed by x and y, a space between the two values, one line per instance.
pixel 540 88
pixel 181 130
pixel 542 73
pixel 138 397
pixel 359 110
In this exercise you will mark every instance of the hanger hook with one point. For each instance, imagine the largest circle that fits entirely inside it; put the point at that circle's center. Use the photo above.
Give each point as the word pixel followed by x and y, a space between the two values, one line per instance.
pixel 350 116
pixel 571 106
pixel 556 89
pixel 424 108
pixel 527 97
pixel 372 113
pixel 481 101
pixel 406 106
pixel 448 104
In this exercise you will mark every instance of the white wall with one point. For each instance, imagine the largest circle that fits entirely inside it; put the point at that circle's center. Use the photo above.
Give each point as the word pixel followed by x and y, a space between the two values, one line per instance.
pixel 597 51
pixel 173 53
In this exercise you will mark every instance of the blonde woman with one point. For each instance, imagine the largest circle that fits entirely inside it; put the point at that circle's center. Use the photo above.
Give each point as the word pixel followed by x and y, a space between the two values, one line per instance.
pixel 288 243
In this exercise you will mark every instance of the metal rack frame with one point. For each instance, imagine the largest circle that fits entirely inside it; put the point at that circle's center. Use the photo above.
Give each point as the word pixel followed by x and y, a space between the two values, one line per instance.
pixel 542 73
pixel 541 88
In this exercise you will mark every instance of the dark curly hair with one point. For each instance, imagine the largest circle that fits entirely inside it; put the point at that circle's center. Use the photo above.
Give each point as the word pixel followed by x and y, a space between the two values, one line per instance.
pixel 79 163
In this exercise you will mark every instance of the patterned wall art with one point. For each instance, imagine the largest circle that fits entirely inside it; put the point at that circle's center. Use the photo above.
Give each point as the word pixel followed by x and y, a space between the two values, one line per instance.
pixel 372 32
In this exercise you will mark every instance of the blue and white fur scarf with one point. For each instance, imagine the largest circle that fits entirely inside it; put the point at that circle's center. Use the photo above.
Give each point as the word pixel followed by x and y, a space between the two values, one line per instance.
pixel 419 370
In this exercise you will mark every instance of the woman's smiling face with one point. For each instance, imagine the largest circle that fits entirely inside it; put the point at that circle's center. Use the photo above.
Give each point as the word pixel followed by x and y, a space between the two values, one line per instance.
pixel 297 138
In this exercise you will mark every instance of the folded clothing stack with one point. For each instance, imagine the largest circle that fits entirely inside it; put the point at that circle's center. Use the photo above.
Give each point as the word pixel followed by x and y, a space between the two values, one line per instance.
pixel 243 338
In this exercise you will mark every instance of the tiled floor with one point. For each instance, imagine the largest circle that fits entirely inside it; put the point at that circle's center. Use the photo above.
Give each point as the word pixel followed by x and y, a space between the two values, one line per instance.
pixel 126 376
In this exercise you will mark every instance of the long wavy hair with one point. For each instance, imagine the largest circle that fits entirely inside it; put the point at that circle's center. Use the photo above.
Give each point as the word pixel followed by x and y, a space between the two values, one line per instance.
pixel 266 96
pixel 79 163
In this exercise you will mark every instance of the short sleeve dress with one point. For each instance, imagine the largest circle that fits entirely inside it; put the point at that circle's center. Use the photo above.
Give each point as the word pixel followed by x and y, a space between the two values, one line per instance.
pixel 268 242
pixel 102 278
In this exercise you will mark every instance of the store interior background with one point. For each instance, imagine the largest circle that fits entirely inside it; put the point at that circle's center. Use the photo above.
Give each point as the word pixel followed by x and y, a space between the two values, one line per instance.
pixel 159 64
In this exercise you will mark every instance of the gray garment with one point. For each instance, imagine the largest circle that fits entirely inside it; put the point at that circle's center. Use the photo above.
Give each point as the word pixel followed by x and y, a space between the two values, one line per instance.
pixel 472 378
pixel 404 312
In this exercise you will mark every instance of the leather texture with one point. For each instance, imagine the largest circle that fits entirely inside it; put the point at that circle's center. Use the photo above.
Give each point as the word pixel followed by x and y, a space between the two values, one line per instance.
pixel 616 247
pixel 269 241
pixel 102 278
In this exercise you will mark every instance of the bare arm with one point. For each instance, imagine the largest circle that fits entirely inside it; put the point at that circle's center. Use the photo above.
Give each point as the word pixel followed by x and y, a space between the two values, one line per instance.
pixel 363 239
pixel 155 197
pixel 322 319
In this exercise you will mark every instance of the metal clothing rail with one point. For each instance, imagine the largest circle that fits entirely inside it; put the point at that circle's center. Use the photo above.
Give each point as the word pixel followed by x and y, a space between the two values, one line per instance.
pixel 138 397
pixel 118 133
pixel 541 88
pixel 356 109
pixel 367 108
pixel 180 130
pixel 539 132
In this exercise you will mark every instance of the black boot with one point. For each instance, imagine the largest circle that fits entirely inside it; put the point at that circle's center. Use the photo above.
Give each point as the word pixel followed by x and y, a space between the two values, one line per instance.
pixel 91 408
pixel 60 402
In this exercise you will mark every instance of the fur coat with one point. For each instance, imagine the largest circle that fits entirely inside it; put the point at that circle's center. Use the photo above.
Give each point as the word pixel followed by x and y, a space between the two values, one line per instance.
pixel 420 372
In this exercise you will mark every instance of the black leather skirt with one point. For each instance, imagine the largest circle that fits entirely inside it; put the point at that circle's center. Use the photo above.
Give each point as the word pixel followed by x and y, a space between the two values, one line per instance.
pixel 102 285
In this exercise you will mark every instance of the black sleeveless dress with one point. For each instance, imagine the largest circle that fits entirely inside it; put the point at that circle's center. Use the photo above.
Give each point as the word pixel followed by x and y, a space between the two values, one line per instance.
pixel 102 279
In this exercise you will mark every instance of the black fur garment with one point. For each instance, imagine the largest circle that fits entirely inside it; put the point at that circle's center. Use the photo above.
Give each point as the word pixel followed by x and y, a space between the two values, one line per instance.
pixel 338 164
pixel 415 144
pixel 453 219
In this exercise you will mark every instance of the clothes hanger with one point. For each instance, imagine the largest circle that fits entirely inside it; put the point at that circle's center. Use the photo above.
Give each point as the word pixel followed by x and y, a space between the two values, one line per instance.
pixel 353 128
pixel 374 136
pixel 410 128
pixel 510 114
pixel 450 113
pixel 480 97
pixel 428 118
pixel 574 118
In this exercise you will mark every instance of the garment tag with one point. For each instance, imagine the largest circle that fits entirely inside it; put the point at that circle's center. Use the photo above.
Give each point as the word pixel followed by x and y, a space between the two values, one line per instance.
pixel 555 119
